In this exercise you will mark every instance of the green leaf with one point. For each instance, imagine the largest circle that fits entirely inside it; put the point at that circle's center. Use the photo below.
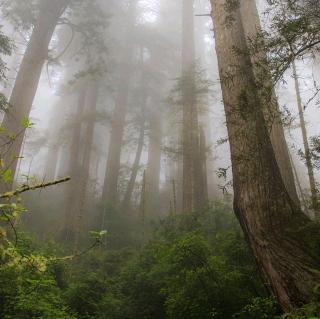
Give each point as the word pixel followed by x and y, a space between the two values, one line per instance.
pixel 26 123
pixel 7 175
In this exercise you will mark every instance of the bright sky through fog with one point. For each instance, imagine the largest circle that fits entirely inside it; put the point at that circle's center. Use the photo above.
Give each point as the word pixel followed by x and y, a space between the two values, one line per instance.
pixel 150 14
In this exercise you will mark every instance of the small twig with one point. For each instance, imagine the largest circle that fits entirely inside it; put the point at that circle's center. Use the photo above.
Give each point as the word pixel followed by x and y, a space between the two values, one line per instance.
pixel 26 188
pixel 203 15
pixel 77 255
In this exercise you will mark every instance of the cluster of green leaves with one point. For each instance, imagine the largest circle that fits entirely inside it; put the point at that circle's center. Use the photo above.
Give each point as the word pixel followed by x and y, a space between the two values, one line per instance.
pixel 28 282
pixel 293 33
pixel 6 47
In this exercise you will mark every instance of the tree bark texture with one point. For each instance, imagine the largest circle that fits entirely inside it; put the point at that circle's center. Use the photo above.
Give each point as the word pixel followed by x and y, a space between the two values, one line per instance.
pixel 268 216
pixel 252 28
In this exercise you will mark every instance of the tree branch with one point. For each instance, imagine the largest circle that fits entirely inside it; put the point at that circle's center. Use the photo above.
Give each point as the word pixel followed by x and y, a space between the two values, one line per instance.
pixel 26 188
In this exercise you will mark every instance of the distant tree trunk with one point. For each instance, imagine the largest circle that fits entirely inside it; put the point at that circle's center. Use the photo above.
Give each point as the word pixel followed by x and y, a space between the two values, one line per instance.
pixel 92 96
pixel 252 27
pixel 190 134
pixel 269 217
pixel 204 197
pixel 135 167
pixel 307 153
pixel 28 77
pixel 73 190
pixel 54 143
pixel 154 161
pixel 52 161
pixel 110 188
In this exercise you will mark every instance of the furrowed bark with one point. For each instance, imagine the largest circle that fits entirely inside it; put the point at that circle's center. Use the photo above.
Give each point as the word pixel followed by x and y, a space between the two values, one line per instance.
pixel 268 216
pixel 252 28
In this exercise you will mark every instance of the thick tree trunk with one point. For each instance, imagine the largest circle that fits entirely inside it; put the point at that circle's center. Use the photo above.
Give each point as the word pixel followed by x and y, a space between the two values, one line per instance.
pixel 252 28
pixel 269 218
pixel 110 188
pixel 28 77
pixel 307 153
pixel 135 168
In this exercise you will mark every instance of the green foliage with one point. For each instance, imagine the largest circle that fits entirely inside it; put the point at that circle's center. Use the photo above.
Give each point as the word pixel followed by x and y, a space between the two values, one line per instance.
pixel 196 266
pixel 259 308
pixel 28 287
pixel 309 311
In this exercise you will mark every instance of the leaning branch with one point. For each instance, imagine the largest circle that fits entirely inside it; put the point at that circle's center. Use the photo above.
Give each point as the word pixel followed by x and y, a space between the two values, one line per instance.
pixel 26 188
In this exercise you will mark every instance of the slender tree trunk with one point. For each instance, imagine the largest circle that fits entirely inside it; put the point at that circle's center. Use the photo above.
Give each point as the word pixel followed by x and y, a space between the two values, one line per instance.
pixel 92 97
pixel 204 197
pixel 307 153
pixel 135 168
pixel 190 114
pixel 54 143
pixel 28 77
pixel 269 217
pixel 252 28
pixel 154 161
pixel 52 161
pixel 68 232
pixel 110 188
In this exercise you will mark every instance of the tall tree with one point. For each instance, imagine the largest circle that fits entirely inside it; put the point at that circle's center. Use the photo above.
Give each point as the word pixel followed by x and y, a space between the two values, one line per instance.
pixel 136 163
pixel 154 158
pixel 190 131
pixel 307 153
pixel 28 77
pixel 269 218
pixel 81 203
pixel 54 140
pixel 110 188
pixel 252 28
pixel 68 231
pixel 203 189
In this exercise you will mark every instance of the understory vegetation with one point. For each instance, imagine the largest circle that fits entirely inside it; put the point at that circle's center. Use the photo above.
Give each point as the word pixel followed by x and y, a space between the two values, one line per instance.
pixel 195 266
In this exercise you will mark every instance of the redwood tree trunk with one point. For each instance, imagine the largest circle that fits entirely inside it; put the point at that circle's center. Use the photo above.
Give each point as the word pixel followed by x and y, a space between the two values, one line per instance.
pixel 252 27
pixel 154 161
pixel 74 171
pixel 307 153
pixel 54 143
pixel 92 96
pixel 110 188
pixel 28 77
pixel 269 217
pixel 203 196
pixel 190 135
pixel 135 168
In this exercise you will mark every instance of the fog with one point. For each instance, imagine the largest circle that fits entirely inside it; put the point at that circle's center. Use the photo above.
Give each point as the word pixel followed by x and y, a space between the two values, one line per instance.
pixel 53 111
